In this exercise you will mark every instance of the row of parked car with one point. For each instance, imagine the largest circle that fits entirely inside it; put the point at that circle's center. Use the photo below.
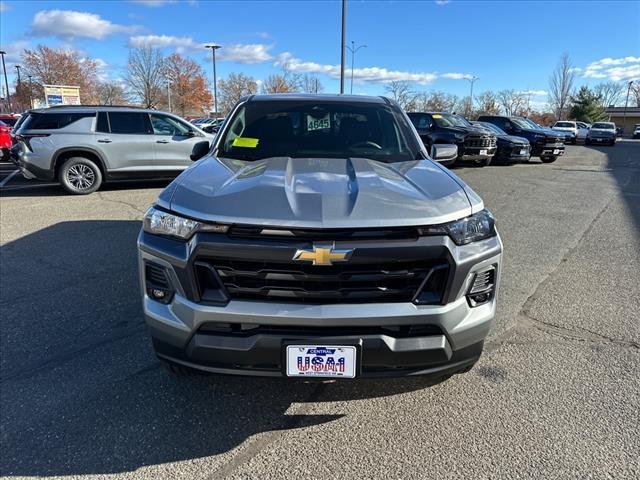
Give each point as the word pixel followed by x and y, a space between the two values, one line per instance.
pixel 83 146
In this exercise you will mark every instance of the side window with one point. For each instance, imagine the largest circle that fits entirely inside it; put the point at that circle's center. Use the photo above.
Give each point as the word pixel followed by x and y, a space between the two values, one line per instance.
pixel 130 122
pixel 102 125
pixel 53 121
pixel 422 123
pixel 164 125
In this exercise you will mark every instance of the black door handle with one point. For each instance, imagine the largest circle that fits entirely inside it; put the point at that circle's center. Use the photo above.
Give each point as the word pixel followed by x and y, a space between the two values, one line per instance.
pixel 104 140
pixel 162 141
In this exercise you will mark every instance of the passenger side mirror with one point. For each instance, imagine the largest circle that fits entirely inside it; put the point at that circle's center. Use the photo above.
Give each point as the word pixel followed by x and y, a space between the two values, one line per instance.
pixel 190 133
pixel 444 151
pixel 200 149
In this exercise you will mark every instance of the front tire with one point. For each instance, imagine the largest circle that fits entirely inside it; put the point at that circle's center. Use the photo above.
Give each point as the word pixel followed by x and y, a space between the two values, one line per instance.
pixel 548 159
pixel 484 163
pixel 80 176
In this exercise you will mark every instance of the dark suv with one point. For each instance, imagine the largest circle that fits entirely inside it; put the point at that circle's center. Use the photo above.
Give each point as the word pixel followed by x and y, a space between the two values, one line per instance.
pixel 474 143
pixel 545 144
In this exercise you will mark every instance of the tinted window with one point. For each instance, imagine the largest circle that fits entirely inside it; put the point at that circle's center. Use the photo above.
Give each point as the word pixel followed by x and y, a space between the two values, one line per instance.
pixel 9 121
pixel 129 122
pixel 53 121
pixel 316 128
pixel 103 123
pixel 565 124
pixel 421 122
pixel 605 126
pixel 164 125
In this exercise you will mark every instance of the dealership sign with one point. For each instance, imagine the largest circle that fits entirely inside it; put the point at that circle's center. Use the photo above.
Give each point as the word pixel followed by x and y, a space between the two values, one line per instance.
pixel 61 95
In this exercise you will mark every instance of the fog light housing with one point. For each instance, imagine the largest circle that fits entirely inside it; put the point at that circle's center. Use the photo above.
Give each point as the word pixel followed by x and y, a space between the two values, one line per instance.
pixel 157 284
pixel 482 288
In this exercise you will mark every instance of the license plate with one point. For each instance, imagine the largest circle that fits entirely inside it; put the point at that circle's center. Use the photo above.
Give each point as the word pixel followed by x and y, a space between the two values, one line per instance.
pixel 556 151
pixel 523 151
pixel 328 361
pixel 483 152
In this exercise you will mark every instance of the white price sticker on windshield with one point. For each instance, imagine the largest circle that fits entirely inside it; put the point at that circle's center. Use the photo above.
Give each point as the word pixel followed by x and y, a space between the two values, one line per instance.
pixel 318 123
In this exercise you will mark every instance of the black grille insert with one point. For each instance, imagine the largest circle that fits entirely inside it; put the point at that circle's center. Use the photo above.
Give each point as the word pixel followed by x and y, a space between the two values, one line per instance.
pixel 475 142
pixel 245 330
pixel 340 283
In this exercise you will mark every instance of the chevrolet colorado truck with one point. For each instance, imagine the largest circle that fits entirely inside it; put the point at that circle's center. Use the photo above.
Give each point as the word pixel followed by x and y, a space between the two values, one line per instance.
pixel 315 237
pixel 474 144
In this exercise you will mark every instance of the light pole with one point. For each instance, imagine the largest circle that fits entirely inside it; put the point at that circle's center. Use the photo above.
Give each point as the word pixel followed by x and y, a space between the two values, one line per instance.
pixel 472 80
pixel 353 51
pixel 169 94
pixel 342 44
pixel 19 106
pixel 30 91
pixel 213 48
pixel 626 102
pixel 6 82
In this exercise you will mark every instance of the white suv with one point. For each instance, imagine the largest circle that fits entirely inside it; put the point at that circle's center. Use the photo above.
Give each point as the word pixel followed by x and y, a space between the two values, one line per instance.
pixel 566 127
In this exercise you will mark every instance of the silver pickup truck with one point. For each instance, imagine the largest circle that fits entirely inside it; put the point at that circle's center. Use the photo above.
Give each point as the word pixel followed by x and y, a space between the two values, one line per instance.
pixel 316 238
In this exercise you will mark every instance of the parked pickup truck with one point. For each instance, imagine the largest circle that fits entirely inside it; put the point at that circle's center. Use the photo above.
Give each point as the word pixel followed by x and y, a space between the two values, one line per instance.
pixel 544 143
pixel 474 143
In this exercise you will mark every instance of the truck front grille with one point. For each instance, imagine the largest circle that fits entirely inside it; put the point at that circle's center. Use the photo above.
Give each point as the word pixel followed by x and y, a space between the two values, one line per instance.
pixel 423 283
pixel 480 142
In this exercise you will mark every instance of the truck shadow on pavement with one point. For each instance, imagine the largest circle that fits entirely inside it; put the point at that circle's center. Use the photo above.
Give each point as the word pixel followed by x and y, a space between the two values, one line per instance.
pixel 81 391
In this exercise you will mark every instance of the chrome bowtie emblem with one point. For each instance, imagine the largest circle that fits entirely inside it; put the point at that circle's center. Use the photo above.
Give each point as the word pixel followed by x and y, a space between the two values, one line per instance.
pixel 323 255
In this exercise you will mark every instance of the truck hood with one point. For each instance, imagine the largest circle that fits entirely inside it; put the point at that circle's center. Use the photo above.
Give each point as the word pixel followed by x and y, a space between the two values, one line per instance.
pixel 470 131
pixel 320 193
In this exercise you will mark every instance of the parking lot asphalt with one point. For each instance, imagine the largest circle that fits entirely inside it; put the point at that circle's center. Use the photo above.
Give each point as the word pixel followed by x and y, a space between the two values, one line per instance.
pixel 556 394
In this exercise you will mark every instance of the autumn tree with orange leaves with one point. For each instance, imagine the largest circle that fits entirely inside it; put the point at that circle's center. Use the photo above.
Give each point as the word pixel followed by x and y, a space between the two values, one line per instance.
pixel 188 84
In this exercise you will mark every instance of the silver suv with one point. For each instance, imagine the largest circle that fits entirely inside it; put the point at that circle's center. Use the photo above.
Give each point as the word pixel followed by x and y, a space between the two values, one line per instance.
pixel 82 146
pixel 317 238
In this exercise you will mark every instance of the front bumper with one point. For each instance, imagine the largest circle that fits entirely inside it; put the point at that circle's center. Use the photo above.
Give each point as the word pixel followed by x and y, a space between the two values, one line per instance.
pixel 450 336
pixel 476 153
pixel 547 150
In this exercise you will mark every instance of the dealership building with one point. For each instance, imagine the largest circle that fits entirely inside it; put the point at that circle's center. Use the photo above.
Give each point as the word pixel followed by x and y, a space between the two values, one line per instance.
pixel 628 121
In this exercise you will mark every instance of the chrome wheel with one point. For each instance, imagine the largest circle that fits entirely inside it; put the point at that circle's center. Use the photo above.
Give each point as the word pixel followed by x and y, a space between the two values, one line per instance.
pixel 81 176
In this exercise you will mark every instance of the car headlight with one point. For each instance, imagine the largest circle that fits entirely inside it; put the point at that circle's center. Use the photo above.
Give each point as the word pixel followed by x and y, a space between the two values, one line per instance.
pixel 478 226
pixel 540 138
pixel 160 222
pixel 458 136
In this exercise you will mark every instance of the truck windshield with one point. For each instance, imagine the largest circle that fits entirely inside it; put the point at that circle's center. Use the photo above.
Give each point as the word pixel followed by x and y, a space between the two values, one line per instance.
pixel 523 123
pixel 323 129
pixel 449 120
pixel 603 126
pixel 565 125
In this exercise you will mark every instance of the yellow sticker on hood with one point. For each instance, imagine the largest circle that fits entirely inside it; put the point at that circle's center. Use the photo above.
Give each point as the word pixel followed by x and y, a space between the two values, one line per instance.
pixel 245 142
pixel 436 116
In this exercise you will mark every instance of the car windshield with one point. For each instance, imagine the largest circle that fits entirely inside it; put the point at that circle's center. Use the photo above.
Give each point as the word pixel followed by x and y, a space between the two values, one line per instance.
pixel 492 127
pixel 525 123
pixel 565 124
pixel 604 126
pixel 449 120
pixel 316 128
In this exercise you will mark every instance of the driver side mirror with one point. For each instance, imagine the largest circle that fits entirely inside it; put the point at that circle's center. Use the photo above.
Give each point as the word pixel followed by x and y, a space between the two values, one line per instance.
pixel 200 149
pixel 190 133
pixel 442 152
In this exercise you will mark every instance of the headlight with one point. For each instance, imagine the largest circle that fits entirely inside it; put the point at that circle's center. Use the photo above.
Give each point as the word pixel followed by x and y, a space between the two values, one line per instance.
pixel 160 222
pixel 470 229
pixel 458 136
pixel 540 138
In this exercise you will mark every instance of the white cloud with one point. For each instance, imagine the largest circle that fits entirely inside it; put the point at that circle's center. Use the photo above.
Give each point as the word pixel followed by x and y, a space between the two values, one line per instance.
pixel 153 3
pixel 616 69
pixel 575 69
pixel 442 2
pixel 14 52
pixel 366 74
pixel 457 76
pixel 245 53
pixel 181 44
pixel 70 24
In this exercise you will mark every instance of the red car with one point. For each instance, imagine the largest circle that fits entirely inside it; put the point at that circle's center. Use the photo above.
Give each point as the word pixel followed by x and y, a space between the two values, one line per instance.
pixel 5 141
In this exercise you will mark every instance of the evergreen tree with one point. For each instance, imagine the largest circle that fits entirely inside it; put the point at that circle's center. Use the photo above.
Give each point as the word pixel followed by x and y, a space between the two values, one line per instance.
pixel 587 106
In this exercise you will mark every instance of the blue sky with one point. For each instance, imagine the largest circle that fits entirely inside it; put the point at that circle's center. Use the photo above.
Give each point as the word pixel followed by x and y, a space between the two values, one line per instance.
pixel 433 44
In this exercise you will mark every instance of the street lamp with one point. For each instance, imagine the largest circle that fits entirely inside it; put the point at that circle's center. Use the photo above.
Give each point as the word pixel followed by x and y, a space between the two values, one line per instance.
pixel 213 48
pixel 6 82
pixel 472 80
pixel 30 91
pixel 626 102
pixel 342 44
pixel 353 51
pixel 169 94
pixel 19 103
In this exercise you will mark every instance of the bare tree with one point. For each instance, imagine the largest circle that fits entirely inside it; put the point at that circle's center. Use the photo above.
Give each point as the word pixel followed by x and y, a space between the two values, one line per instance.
pixel 610 93
pixel 560 86
pixel 513 103
pixel 436 101
pixel 635 92
pixel 111 93
pixel 488 104
pixel 311 84
pixel 146 75
pixel 285 82
pixel 233 88
pixel 401 92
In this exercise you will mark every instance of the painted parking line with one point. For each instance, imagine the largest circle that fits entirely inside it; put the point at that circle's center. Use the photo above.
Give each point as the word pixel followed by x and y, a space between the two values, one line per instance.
pixel 8 177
